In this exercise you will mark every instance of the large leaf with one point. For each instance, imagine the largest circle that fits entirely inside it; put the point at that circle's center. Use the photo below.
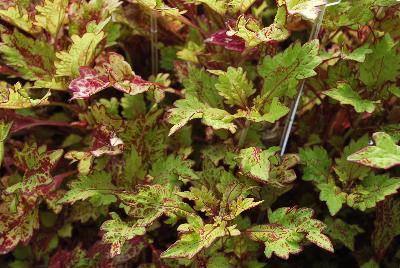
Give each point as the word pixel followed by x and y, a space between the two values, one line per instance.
pixel 373 189
pixel 382 65
pixel 195 236
pixel 282 72
pixel 316 164
pixel 384 154
pixel 287 230
pixel 32 59
pixel 346 95
pixel 50 15
pixel 255 162
pixel 81 53
pixel 97 186
pixel 234 86
pixel 191 108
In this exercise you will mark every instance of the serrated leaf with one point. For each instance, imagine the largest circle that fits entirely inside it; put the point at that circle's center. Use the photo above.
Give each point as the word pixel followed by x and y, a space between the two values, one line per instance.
pixel 234 86
pixel 270 113
pixel 191 108
pixel 333 196
pixel 287 229
pixel 32 59
pixel 255 162
pixel 4 130
pixel 17 97
pixel 387 225
pixel 385 154
pixel 97 186
pixel 316 164
pixel 173 169
pixel 342 231
pixel 18 16
pixel 348 171
pixel 50 16
pixel 132 106
pixel 283 72
pixel 195 236
pixel 204 199
pixel 117 232
pixel 37 164
pixel 346 95
pixel 81 53
pixel 16 226
pixel 382 65
pixel 372 189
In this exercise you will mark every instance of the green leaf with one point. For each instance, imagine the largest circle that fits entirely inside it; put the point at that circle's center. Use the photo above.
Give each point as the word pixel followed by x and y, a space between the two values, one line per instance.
pixel 133 106
pixel 50 16
pixel 234 86
pixel 117 232
pixel 219 6
pixel 286 231
pixel 191 108
pixel 385 154
pixel 270 113
pixel 283 72
pixel 173 169
pixel 348 171
pixel 32 59
pixel 37 164
pixel 343 232
pixel 308 9
pixel 387 225
pixel 17 97
pixel 201 85
pixel 255 162
pixel 16 226
pixel 5 128
pixel 372 189
pixel 195 236
pixel 346 95
pixel 333 196
pixel 316 163
pixel 358 54
pixel 204 199
pixel 18 16
pixel 382 65
pixel 81 53
pixel 97 186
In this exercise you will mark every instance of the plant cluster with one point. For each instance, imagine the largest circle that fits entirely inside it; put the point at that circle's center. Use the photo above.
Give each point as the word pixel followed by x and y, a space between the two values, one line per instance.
pixel 106 162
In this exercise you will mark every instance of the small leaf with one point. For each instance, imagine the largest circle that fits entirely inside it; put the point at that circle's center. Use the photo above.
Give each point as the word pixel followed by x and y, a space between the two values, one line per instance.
pixel 385 154
pixel 358 54
pixel 4 130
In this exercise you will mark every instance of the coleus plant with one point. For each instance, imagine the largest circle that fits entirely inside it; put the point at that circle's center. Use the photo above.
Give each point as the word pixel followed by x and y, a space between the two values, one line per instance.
pixel 105 164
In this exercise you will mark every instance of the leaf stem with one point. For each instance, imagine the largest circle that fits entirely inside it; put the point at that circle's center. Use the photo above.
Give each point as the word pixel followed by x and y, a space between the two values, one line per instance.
pixel 243 134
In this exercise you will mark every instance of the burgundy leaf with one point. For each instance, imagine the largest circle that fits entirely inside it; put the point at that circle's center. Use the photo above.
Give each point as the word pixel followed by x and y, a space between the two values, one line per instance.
pixel 88 83
pixel 221 38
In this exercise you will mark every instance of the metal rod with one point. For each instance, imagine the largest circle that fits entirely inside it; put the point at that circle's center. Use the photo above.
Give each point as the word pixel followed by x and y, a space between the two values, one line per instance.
pixel 154 40
pixel 293 109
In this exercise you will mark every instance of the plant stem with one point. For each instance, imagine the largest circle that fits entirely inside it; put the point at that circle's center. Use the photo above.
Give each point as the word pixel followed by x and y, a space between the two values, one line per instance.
pixel 243 134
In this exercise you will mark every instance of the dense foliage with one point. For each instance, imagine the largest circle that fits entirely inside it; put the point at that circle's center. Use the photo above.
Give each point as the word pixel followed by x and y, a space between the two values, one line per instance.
pixel 106 162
